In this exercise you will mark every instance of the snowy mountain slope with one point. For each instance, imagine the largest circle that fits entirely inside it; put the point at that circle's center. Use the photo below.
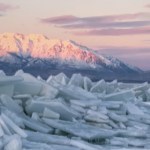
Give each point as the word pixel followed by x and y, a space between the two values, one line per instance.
pixel 37 50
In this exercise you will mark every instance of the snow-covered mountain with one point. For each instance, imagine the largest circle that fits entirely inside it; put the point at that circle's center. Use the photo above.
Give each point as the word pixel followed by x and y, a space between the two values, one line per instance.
pixel 35 50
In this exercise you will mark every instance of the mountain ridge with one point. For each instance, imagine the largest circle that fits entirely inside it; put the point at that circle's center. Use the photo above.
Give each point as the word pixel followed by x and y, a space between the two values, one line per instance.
pixel 36 49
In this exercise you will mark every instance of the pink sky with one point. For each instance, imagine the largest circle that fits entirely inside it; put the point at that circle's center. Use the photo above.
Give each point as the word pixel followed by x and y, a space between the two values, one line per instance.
pixel 120 27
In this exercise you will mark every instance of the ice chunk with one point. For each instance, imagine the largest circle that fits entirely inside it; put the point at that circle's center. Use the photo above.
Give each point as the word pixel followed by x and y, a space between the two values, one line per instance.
pixel 62 78
pixel 55 105
pixel 148 95
pixel 78 108
pixel 17 120
pixel 99 87
pixel 133 109
pixel 81 130
pixel 84 145
pixel 30 88
pixel 141 87
pixel 50 114
pixel 7 84
pixel 86 103
pixel 76 80
pixel 72 92
pixel 10 104
pixel 1 131
pixel 117 118
pixel 4 127
pixel 127 95
pixel 36 86
pixel 93 118
pixel 2 73
pixel 5 80
pixel 13 126
pixel 36 125
pixel 98 114
pixel 111 87
pixel 49 91
pixel 47 138
pixel 87 83
pixel 14 143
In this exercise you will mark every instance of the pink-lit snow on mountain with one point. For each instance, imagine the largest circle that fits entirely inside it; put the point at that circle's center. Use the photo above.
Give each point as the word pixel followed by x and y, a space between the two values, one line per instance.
pixel 39 46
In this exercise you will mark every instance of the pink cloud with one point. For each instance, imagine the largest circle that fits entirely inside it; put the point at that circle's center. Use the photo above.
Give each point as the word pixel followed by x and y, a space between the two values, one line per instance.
pixel 7 7
pixel 114 32
pixel 60 19
pixel 148 5
pixel 96 19
pixel 114 25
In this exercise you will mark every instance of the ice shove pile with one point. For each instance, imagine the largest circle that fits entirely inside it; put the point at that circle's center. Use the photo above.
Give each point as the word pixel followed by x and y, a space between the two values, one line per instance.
pixel 72 114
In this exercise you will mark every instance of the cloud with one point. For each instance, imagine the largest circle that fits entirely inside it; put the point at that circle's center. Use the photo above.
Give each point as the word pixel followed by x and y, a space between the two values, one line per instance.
pixel 107 24
pixel 6 7
pixel 60 19
pixel 114 32
pixel 147 6
pixel 114 25
pixel 85 21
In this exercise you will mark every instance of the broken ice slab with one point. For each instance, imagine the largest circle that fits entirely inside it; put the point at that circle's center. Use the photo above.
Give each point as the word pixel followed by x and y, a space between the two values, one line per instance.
pixel 47 138
pixel 85 145
pixel 17 120
pixel 45 146
pixel 111 87
pixel 87 83
pixel 132 132
pixel 9 103
pixel 2 73
pixel 73 92
pixel 1 131
pixel 111 104
pixel 7 84
pixel 5 80
pixel 125 142
pixel 22 96
pixel 133 109
pixel 93 118
pixel 99 87
pixel 76 80
pixel 13 126
pixel 126 95
pixel 78 108
pixel 57 106
pixel 14 143
pixel 86 103
pixel 138 125
pixel 35 125
pixel 55 140
pixel 62 78
pixel 48 113
pixel 48 91
pixel 84 131
pixel 33 86
pixel 141 87
pixel 148 95
pixel 117 118
pixel 28 88
pixel 98 114
pixel 100 125
pixel 5 127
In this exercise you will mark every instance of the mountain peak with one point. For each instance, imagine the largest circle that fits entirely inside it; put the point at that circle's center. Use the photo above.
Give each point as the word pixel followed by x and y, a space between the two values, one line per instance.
pixel 38 46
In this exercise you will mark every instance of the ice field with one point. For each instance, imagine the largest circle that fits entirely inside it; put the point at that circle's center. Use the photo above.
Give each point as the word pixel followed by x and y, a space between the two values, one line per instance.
pixel 63 113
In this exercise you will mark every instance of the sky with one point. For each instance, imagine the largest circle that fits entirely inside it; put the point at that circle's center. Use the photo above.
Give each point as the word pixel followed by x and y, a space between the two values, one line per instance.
pixel 119 28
